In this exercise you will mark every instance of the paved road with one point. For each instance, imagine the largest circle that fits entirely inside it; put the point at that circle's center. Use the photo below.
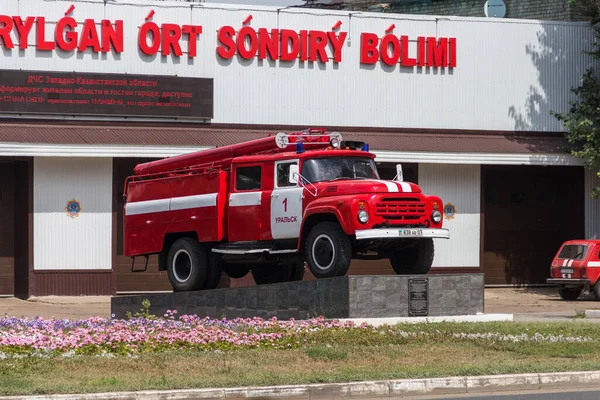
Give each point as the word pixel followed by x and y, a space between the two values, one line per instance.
pixel 572 394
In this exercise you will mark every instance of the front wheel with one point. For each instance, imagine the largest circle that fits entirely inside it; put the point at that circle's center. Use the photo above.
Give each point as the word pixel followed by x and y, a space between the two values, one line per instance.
pixel 187 265
pixel 328 250
pixel 569 294
pixel 414 259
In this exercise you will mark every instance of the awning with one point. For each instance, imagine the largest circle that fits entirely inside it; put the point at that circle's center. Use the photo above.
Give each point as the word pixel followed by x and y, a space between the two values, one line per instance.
pixel 30 139
pixel 207 136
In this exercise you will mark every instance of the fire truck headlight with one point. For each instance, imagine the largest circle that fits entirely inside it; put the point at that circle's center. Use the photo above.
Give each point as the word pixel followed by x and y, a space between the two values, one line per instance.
pixel 363 216
pixel 436 216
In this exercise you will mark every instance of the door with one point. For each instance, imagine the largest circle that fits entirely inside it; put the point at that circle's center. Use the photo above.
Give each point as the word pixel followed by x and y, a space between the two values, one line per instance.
pixel 286 203
pixel 244 211
pixel 527 217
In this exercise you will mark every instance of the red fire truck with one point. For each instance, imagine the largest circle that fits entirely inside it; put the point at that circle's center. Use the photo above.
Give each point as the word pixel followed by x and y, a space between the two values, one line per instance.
pixel 272 206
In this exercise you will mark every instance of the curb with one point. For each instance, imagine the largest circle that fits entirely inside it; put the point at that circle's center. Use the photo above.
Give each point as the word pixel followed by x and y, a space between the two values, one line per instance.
pixel 380 389
pixel 592 314
pixel 419 320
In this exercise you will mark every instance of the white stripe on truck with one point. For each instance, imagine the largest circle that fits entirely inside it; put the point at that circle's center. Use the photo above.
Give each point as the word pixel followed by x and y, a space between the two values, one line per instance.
pixel 147 207
pixel 171 204
pixel 245 199
pixel 187 202
pixel 393 186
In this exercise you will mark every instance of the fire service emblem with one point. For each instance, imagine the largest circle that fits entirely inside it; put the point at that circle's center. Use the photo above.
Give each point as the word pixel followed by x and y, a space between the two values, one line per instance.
pixel 73 208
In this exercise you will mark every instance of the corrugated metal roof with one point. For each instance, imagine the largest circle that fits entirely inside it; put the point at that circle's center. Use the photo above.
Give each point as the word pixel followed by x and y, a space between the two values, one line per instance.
pixel 210 136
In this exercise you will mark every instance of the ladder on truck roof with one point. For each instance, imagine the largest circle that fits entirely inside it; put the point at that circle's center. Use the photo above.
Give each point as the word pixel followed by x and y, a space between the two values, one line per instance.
pixel 222 156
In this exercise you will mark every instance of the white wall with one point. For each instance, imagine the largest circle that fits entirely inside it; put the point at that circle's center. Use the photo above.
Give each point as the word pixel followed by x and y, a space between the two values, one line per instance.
pixel 509 73
pixel 592 206
pixel 461 186
pixel 62 242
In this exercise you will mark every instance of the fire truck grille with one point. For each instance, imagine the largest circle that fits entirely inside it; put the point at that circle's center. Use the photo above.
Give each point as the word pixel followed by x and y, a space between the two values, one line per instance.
pixel 405 209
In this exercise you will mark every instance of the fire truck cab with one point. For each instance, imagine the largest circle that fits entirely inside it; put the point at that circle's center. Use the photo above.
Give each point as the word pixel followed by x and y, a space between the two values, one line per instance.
pixel 311 200
pixel 576 269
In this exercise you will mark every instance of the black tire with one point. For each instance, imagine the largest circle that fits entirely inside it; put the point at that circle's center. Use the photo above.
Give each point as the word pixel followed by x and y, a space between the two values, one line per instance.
pixel 328 250
pixel 265 274
pixel 235 271
pixel 187 265
pixel 569 294
pixel 414 260
pixel 596 290
pixel 214 272
pixel 297 272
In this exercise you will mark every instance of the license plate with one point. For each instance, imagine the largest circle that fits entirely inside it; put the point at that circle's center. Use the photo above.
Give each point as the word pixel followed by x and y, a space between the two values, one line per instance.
pixel 410 232
pixel 567 270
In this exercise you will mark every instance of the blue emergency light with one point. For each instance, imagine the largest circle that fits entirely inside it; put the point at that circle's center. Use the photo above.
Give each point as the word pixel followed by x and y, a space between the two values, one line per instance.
pixel 365 147
pixel 299 148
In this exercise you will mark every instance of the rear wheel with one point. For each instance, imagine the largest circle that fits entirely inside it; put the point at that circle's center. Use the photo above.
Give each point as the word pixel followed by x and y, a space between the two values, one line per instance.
pixel 214 273
pixel 569 294
pixel 414 259
pixel 235 271
pixel 265 274
pixel 187 265
pixel 596 290
pixel 297 272
pixel 328 250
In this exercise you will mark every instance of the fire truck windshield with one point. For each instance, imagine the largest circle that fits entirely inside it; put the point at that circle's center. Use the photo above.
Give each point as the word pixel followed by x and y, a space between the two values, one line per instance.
pixel 338 168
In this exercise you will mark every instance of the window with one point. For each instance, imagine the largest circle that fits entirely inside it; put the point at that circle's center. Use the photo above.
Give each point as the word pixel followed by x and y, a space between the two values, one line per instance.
pixel 248 178
pixel 573 252
pixel 336 168
pixel 283 174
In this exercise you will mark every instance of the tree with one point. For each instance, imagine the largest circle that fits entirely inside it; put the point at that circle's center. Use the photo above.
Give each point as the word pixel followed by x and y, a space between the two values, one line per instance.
pixel 582 121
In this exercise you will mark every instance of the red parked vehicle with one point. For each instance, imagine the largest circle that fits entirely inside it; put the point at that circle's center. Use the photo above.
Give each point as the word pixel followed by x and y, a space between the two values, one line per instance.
pixel 270 206
pixel 576 269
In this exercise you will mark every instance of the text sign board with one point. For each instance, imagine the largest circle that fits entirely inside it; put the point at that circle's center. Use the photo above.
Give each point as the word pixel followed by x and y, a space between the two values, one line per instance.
pixel 418 299
pixel 67 93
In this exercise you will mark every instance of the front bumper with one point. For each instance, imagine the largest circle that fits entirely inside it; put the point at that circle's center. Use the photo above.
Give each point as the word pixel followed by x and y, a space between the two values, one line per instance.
pixel 400 233
pixel 566 281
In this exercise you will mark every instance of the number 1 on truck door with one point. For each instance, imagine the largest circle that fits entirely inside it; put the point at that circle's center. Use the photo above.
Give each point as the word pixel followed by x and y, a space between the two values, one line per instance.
pixel 286 203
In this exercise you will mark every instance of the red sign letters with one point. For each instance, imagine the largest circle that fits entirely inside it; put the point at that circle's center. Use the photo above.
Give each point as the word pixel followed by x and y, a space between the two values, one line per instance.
pixel 245 42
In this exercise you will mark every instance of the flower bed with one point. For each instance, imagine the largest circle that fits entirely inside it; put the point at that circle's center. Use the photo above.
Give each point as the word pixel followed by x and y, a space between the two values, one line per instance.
pixel 137 335
pixel 130 337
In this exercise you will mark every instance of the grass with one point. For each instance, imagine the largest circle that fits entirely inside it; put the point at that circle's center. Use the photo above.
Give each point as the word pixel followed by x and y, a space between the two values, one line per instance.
pixel 333 357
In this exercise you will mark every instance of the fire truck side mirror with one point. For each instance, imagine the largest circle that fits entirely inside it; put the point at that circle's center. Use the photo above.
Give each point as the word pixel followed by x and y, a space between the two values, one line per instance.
pixel 399 176
pixel 294 173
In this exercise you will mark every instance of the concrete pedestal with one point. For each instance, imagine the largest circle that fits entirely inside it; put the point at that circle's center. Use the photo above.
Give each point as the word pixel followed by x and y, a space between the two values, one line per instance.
pixel 341 297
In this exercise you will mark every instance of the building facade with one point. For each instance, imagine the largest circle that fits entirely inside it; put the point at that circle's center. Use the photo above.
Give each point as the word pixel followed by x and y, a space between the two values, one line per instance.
pixel 91 88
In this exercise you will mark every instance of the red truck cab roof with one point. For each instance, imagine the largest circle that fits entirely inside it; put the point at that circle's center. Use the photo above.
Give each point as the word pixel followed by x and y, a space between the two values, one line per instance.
pixel 581 241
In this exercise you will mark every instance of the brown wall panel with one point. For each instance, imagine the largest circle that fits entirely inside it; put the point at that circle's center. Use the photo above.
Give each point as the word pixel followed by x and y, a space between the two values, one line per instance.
pixel 73 283
pixel 7 227
pixel 150 280
pixel 23 230
pixel 528 214
pixel 6 275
